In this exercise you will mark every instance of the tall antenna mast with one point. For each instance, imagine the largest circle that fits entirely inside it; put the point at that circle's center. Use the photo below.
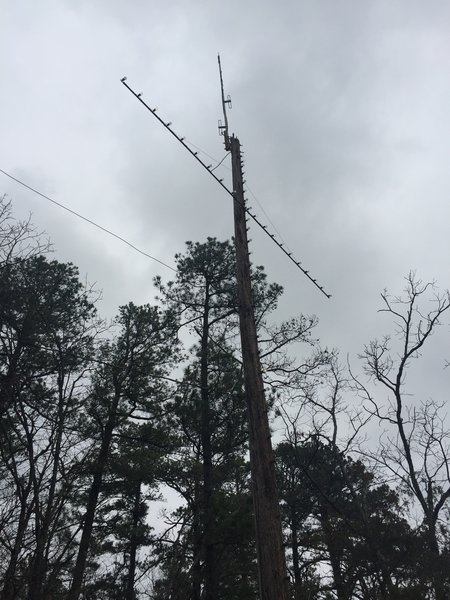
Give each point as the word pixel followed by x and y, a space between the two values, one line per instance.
pixel 223 129
pixel 209 168
pixel 273 579
pixel 272 572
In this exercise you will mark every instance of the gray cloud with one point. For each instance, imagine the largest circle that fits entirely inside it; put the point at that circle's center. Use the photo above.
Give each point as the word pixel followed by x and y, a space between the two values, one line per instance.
pixel 341 109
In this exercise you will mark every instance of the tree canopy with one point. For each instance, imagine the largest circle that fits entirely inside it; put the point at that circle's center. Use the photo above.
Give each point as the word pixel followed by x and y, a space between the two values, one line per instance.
pixel 101 424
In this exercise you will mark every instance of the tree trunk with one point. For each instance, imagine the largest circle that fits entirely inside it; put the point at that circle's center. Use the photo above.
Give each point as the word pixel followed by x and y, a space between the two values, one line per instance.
pixel 295 556
pixel 134 543
pixel 209 560
pixel 94 492
pixel 436 567
pixel 8 381
pixel 196 543
pixel 38 569
pixel 26 508
pixel 9 588
pixel 342 591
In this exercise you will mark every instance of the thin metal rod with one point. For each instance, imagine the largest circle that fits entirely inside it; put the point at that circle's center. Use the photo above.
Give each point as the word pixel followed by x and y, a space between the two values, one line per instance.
pixel 225 116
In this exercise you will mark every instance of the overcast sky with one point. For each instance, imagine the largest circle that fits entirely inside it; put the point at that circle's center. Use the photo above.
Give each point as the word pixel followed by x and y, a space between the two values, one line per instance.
pixel 342 108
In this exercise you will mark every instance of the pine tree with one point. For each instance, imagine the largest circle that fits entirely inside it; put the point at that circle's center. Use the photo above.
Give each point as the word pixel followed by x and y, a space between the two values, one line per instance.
pixel 47 333
pixel 335 513
pixel 129 382
pixel 210 410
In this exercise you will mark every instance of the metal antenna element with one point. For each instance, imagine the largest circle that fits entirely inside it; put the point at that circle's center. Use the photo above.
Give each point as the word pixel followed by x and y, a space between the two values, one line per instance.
pixel 179 138
pixel 209 168
pixel 223 129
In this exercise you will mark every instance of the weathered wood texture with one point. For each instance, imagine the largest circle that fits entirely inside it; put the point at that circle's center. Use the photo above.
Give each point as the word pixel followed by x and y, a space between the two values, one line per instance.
pixel 273 580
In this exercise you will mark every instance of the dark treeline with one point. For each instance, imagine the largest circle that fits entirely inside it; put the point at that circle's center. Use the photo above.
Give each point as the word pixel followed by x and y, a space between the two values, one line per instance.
pixel 99 422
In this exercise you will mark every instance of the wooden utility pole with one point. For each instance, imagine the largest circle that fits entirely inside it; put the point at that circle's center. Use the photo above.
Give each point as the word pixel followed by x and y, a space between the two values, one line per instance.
pixel 272 573
pixel 273 578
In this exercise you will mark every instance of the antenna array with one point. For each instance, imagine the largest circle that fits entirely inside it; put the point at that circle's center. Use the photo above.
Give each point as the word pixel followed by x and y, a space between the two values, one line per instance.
pixel 223 130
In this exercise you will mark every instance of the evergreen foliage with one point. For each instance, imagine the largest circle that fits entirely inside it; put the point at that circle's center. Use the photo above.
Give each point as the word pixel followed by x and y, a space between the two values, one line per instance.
pixel 100 424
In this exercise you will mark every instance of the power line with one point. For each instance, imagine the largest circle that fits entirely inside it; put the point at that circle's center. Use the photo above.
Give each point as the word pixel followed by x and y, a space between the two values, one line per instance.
pixel 104 229
pixel 208 168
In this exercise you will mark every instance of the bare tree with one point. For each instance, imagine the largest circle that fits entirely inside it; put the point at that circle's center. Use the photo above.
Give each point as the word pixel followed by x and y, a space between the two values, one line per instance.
pixel 18 238
pixel 415 443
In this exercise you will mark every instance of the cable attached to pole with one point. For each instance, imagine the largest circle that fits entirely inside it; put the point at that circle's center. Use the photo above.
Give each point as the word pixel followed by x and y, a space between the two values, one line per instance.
pixel 76 214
